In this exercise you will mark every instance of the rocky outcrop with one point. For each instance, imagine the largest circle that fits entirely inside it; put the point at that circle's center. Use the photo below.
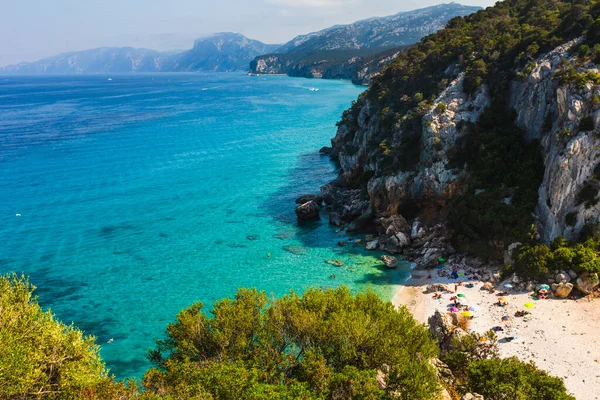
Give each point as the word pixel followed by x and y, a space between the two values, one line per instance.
pixel 552 112
pixel 444 328
pixel 308 211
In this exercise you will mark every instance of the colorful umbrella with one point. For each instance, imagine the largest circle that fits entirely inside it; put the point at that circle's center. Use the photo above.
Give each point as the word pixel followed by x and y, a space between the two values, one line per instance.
pixel 466 313
pixel 501 298
pixel 441 259
pixel 474 308
pixel 544 287
pixel 543 291
pixel 508 286
pixel 461 295
pixel 528 305
pixel 454 309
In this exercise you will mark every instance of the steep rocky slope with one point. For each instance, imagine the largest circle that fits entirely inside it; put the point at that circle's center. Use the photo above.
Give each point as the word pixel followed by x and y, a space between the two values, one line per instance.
pixel 356 51
pixel 474 145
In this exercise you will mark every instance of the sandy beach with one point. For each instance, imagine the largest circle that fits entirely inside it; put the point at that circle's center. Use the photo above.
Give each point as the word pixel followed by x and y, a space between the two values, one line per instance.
pixel 560 336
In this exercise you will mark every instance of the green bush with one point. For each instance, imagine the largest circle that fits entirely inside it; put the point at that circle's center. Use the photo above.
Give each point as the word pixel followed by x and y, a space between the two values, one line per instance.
pixel 509 378
pixel 533 261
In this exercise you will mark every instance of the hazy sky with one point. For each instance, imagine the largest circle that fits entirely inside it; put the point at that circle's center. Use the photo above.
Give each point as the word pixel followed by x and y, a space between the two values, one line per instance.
pixel 33 29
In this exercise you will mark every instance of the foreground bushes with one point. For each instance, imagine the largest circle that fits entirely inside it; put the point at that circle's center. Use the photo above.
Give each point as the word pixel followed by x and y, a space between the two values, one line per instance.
pixel 43 358
pixel 326 344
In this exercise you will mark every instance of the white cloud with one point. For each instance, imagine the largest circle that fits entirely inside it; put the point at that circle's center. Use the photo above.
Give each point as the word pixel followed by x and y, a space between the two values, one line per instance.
pixel 312 3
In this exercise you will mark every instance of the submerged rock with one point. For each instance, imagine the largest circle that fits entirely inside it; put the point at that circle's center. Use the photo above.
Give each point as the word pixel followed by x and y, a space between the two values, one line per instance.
pixel 308 211
pixel 335 262
pixel 297 250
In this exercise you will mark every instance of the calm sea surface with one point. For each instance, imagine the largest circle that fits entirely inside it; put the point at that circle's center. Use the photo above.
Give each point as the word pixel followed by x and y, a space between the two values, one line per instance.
pixel 141 194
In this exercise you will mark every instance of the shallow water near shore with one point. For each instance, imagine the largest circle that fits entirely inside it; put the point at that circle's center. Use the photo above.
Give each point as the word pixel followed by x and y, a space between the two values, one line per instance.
pixel 140 195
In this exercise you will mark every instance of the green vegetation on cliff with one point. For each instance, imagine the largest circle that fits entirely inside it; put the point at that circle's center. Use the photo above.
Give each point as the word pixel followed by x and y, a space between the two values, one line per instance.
pixel 326 344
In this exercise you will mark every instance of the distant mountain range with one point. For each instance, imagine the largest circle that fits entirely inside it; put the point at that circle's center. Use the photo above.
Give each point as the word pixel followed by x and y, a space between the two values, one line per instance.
pixel 359 50
pixel 356 51
pixel 221 52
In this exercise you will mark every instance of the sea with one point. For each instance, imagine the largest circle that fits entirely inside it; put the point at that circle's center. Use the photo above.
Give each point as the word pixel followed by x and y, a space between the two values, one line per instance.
pixel 126 198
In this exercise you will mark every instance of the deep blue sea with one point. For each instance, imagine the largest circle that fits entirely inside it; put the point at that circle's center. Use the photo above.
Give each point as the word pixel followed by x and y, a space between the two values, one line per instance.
pixel 141 194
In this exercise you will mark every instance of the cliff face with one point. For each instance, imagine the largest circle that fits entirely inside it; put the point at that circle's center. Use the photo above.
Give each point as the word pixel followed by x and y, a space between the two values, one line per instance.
pixel 570 152
pixel 563 115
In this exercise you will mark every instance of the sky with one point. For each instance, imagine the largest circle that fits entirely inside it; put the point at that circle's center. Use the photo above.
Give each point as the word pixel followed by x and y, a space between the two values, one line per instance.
pixel 34 29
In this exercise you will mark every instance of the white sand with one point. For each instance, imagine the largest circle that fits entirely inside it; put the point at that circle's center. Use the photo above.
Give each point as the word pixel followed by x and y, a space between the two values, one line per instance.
pixel 560 336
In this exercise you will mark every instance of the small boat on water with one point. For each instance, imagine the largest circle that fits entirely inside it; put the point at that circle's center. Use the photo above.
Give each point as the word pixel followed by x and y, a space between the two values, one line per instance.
pixel 312 89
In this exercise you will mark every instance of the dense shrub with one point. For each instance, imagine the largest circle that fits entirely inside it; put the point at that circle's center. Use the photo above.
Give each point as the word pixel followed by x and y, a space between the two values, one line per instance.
pixel 326 343
pixel 509 378
pixel 43 358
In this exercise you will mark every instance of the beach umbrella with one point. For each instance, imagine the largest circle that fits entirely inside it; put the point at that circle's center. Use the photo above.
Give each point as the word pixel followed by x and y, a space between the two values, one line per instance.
pixel 528 305
pixel 454 309
pixel 544 286
pixel 441 259
pixel 466 313
pixel 543 291
pixel 461 295
pixel 474 308
pixel 501 298
pixel 508 286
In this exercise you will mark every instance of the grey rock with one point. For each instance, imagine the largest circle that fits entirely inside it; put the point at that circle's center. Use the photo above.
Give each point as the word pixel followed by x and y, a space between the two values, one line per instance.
pixel 436 287
pixel 562 277
pixel 372 245
pixel 335 219
pixel 508 254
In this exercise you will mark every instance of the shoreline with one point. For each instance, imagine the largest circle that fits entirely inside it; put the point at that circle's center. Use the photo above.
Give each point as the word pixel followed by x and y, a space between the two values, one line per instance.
pixel 561 336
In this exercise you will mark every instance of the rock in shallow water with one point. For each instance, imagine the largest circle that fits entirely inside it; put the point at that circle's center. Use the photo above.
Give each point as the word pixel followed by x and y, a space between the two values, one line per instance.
pixel 389 261
pixel 308 211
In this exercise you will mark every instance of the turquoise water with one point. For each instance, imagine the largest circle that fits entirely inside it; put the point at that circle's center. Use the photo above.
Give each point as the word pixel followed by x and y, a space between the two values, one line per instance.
pixel 142 194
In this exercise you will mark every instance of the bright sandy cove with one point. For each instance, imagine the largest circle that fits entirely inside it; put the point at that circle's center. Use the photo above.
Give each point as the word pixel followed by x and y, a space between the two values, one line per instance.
pixel 561 336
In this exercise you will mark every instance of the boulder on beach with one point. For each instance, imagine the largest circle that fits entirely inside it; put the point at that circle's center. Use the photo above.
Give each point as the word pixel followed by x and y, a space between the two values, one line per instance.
pixel 562 290
pixel 436 287
pixel 389 261
pixel 587 283
pixel 305 198
pixel 308 211
pixel 487 286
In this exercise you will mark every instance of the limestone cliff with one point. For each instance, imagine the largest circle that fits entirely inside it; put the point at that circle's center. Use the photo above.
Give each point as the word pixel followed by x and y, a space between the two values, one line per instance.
pixel 570 149
pixel 551 106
